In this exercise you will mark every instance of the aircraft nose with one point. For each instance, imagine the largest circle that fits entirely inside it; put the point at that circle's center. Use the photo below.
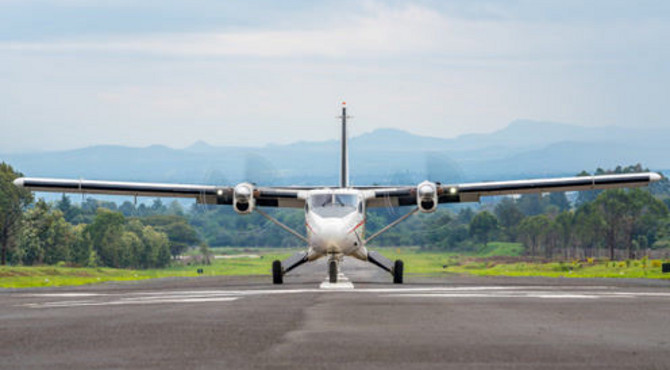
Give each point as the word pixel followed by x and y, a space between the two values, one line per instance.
pixel 332 235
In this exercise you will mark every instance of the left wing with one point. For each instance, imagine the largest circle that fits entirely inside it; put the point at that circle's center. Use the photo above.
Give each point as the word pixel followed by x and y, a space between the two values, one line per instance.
pixel 472 192
pixel 205 194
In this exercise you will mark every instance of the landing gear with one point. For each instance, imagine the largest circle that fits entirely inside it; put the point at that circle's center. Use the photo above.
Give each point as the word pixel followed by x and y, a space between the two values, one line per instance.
pixel 332 271
pixel 281 268
pixel 277 273
pixel 398 268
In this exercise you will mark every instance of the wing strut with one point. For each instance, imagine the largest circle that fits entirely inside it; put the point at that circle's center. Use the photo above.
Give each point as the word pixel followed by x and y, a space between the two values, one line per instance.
pixel 280 224
pixel 389 226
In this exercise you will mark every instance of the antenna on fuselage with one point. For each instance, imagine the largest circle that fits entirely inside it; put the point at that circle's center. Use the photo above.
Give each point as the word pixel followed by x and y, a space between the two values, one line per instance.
pixel 344 170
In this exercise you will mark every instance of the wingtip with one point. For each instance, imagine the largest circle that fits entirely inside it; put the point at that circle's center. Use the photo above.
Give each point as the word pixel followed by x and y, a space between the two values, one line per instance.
pixel 19 182
pixel 654 177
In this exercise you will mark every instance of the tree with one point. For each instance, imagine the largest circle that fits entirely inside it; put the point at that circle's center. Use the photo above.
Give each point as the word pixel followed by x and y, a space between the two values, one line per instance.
pixel 646 214
pixel 465 215
pixel 531 204
pixel 564 224
pixel 156 251
pixel 483 227
pixel 205 253
pixel 509 216
pixel 82 248
pixel 69 211
pixel 13 201
pixel 559 200
pixel 175 208
pixel 532 230
pixel 105 234
pixel 157 207
pixel 180 234
pixel 45 236
pixel 127 208
pixel 589 227
pixel 612 205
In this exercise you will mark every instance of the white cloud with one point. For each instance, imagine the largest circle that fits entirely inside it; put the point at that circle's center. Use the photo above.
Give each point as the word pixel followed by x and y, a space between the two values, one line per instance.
pixel 407 31
pixel 408 66
pixel 389 31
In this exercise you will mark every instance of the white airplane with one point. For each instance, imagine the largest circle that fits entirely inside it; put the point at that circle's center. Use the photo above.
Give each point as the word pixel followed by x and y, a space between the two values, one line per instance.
pixel 335 215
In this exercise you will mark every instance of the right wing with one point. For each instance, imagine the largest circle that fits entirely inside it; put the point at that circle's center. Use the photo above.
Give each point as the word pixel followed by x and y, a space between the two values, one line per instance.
pixel 205 194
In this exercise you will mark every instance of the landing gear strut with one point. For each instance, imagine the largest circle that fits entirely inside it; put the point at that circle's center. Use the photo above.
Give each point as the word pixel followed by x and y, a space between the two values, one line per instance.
pixel 280 268
pixel 332 271
pixel 396 268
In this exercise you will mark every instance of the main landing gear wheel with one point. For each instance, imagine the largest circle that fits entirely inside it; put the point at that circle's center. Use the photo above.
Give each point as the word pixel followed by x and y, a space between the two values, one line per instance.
pixel 332 272
pixel 277 275
pixel 398 268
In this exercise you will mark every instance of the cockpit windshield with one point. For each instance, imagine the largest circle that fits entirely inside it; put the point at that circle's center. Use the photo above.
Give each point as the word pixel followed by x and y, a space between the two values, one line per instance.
pixel 333 205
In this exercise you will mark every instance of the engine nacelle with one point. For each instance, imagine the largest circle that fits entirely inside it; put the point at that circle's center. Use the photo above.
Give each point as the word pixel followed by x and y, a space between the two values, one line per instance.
pixel 426 196
pixel 243 198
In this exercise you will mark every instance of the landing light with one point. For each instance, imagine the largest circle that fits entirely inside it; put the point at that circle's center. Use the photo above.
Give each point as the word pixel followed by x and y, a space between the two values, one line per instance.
pixel 219 192
pixel 453 191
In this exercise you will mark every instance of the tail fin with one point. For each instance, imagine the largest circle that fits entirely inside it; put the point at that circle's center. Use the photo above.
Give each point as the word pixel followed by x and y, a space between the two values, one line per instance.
pixel 344 170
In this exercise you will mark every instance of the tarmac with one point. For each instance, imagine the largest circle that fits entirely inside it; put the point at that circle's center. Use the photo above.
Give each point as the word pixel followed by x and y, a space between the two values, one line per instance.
pixel 364 322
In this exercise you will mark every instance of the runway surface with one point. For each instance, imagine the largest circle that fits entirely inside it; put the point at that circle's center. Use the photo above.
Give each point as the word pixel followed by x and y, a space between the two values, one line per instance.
pixel 442 322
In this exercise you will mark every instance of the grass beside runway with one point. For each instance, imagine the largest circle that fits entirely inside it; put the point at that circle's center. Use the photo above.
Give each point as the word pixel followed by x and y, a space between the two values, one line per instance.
pixel 643 269
pixel 497 259
pixel 48 276
pixel 503 259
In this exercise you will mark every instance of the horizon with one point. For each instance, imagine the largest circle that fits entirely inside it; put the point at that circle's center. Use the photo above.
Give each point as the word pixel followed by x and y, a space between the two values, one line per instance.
pixel 200 141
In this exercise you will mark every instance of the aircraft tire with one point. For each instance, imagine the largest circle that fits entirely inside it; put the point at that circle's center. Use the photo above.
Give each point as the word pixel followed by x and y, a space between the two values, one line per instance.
pixel 277 276
pixel 332 272
pixel 398 268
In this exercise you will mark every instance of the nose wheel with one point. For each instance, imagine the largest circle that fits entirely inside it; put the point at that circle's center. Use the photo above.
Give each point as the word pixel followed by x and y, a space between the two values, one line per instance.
pixel 332 271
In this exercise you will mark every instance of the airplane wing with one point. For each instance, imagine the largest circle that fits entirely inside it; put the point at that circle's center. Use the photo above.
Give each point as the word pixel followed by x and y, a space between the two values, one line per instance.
pixel 472 192
pixel 204 194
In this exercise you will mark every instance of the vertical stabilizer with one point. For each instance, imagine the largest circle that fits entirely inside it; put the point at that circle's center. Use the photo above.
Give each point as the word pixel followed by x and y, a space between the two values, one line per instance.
pixel 344 169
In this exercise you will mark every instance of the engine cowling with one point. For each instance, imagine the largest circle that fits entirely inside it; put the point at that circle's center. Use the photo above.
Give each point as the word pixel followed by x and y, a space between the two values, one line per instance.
pixel 243 198
pixel 426 196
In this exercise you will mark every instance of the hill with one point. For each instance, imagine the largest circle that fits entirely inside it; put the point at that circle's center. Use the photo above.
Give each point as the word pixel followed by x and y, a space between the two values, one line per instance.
pixel 524 148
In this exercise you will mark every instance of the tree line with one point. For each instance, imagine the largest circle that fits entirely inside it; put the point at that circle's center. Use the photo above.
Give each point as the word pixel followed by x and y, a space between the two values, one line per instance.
pixel 95 233
pixel 622 223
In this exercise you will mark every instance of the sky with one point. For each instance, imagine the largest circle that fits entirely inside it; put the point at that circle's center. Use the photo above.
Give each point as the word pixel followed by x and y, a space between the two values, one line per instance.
pixel 77 73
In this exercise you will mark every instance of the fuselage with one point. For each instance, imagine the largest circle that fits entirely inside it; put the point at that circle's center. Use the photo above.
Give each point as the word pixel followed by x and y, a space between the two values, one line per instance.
pixel 335 223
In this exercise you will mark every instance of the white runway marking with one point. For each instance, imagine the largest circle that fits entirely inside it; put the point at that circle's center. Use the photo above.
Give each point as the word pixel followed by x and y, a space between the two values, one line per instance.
pixel 128 302
pixel 575 293
pixel 493 295
pixel 343 283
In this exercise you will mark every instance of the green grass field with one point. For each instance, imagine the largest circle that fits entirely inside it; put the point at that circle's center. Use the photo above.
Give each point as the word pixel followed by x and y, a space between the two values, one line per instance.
pixel 496 259
pixel 44 276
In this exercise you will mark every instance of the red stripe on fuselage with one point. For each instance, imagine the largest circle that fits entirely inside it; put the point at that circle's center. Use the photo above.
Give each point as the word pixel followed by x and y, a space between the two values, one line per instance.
pixel 357 226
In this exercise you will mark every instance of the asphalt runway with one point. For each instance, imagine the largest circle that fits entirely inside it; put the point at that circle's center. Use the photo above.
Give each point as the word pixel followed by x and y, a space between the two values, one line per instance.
pixel 452 322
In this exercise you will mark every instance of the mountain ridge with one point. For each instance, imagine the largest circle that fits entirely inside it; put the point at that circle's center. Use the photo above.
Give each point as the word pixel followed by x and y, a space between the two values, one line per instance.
pixel 524 148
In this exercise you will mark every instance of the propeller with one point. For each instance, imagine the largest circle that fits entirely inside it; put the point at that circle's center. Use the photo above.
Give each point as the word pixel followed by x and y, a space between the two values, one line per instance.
pixel 259 170
pixel 439 167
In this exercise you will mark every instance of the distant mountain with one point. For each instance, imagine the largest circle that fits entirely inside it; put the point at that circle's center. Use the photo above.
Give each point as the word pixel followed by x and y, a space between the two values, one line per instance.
pixel 524 148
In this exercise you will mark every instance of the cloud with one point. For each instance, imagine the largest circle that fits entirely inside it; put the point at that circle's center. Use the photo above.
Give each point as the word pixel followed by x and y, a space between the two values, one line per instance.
pixel 381 31
pixel 388 31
